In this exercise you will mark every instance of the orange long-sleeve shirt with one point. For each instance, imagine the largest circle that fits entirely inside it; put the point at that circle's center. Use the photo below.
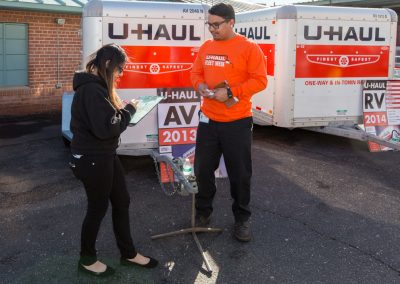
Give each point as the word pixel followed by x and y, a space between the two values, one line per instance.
pixel 238 61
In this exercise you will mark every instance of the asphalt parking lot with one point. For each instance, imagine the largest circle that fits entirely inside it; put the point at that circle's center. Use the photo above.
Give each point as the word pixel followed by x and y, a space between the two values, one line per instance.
pixel 325 210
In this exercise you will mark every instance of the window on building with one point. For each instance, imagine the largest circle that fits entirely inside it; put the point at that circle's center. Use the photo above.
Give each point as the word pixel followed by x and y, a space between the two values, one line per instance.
pixel 13 54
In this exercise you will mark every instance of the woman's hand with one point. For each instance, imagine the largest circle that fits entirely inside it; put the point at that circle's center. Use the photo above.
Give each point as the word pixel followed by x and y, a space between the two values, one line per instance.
pixel 134 103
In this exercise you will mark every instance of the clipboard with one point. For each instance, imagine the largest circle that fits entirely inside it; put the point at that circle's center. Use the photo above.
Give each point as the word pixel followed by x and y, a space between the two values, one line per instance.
pixel 145 106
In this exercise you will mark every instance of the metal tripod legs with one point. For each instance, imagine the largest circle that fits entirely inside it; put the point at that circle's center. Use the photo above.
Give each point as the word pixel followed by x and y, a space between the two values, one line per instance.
pixel 193 229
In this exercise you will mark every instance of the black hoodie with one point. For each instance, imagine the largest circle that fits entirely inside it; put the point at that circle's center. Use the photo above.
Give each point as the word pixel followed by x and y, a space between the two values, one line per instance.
pixel 95 124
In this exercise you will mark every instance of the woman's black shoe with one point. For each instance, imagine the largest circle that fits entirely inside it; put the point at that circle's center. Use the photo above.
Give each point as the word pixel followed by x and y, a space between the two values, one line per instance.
pixel 108 272
pixel 151 264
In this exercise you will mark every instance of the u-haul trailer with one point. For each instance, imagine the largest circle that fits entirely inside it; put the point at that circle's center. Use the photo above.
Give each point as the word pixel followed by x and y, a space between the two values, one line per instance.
pixel 161 40
pixel 317 60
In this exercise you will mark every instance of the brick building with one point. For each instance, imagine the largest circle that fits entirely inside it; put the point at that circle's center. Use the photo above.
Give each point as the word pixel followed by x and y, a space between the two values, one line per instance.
pixel 40 48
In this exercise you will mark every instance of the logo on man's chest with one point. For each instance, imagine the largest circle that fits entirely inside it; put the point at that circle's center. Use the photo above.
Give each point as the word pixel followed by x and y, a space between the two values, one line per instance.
pixel 216 60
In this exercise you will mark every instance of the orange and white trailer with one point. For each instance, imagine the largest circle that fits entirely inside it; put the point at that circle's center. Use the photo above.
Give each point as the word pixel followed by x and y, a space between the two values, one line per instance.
pixel 318 58
pixel 161 40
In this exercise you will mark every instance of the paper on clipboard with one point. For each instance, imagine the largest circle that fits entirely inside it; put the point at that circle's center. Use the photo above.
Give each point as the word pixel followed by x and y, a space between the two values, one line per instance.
pixel 145 105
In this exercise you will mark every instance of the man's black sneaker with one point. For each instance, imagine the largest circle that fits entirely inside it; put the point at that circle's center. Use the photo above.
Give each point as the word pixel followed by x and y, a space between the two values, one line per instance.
pixel 241 231
pixel 202 221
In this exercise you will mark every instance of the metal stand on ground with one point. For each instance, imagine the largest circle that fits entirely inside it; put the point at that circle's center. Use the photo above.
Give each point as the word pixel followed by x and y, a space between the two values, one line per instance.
pixel 193 229
pixel 191 187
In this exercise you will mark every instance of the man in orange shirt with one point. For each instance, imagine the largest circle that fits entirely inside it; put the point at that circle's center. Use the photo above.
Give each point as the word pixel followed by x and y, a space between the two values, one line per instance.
pixel 228 71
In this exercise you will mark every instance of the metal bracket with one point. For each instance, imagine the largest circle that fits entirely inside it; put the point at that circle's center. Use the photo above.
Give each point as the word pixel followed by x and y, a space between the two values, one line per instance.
pixel 191 187
pixel 354 132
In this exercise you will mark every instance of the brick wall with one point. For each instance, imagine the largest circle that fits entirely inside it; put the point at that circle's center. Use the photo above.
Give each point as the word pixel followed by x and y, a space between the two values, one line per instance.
pixel 41 94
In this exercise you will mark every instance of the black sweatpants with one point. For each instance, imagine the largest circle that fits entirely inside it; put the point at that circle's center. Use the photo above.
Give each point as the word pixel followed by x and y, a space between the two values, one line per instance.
pixel 233 140
pixel 104 181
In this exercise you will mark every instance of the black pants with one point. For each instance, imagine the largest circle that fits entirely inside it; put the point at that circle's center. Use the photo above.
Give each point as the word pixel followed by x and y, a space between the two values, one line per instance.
pixel 233 140
pixel 104 181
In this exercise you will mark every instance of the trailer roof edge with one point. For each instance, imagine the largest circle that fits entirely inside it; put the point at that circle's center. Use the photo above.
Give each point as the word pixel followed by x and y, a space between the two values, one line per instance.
pixel 393 14
pixel 286 12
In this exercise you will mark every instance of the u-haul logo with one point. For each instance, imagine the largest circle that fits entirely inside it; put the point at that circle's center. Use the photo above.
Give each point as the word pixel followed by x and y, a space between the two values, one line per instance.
pixel 341 33
pixel 342 61
pixel 154 32
pixel 157 68
pixel 254 33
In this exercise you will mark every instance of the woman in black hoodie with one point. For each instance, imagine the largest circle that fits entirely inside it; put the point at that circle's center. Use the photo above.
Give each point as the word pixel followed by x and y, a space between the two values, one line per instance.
pixel 98 117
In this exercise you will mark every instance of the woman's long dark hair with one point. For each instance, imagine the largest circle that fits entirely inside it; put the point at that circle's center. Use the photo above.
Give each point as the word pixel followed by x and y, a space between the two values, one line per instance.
pixel 106 60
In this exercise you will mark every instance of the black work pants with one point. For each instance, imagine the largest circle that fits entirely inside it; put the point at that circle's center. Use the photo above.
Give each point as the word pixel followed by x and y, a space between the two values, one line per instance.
pixel 104 181
pixel 233 140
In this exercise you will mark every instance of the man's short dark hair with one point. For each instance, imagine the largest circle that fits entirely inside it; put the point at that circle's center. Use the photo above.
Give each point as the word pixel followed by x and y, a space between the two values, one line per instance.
pixel 222 10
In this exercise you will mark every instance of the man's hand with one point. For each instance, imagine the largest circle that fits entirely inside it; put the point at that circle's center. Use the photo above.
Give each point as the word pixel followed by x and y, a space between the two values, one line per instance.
pixel 221 95
pixel 203 90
